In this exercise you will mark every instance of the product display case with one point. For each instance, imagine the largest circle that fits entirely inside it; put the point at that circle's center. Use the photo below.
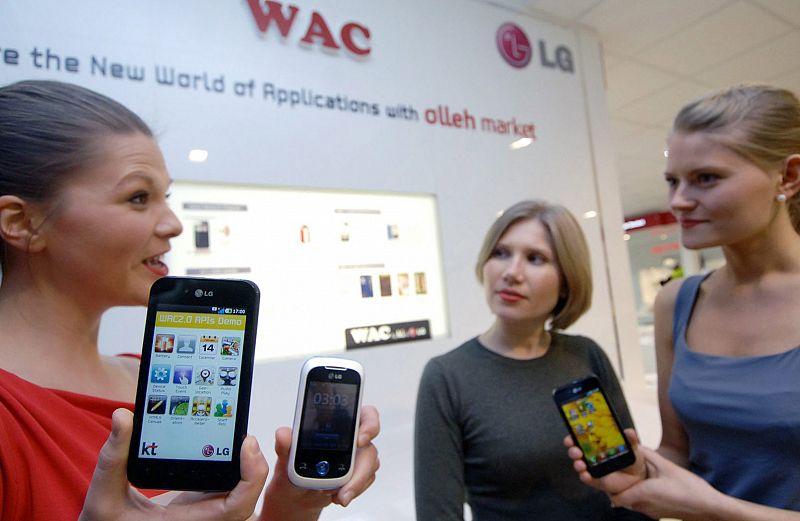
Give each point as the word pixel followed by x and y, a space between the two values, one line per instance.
pixel 337 269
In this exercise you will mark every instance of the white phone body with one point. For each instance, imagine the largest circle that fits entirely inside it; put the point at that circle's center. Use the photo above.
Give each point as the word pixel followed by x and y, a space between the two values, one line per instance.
pixel 326 420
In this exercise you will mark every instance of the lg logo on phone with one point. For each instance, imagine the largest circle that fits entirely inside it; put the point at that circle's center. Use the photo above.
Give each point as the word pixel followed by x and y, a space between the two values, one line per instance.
pixel 200 293
pixel 209 450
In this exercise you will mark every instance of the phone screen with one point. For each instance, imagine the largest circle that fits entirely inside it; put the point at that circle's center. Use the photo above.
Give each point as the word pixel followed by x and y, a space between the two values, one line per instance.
pixel 328 416
pixel 193 383
pixel 594 426
pixel 328 423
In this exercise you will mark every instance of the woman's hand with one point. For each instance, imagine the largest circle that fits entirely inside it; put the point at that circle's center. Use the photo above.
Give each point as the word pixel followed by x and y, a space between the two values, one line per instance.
pixel 367 462
pixel 669 491
pixel 616 482
pixel 284 501
pixel 111 498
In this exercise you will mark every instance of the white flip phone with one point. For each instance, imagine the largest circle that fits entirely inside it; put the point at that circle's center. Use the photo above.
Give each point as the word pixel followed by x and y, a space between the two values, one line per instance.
pixel 326 422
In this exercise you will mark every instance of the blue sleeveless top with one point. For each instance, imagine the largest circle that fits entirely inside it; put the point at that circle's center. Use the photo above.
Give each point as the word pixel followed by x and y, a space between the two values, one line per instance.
pixel 741 414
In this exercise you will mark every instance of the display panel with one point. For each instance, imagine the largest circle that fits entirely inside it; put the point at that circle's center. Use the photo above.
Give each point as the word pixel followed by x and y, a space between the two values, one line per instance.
pixel 193 382
pixel 593 423
pixel 339 270
pixel 328 416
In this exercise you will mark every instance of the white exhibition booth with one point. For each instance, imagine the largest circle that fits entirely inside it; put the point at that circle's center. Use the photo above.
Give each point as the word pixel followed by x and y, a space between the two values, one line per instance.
pixel 354 148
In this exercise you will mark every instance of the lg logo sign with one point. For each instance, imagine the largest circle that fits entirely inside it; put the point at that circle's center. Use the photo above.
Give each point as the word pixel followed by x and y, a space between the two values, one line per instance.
pixel 514 46
pixel 517 50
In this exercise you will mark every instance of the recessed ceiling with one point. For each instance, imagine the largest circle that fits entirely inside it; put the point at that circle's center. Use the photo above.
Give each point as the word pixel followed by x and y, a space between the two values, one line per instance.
pixel 659 54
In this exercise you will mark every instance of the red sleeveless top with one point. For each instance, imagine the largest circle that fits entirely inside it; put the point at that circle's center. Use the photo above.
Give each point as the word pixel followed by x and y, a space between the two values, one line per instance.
pixel 49 444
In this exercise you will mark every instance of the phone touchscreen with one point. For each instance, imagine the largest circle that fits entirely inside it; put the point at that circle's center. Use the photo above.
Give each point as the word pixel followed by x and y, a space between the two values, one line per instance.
pixel 595 428
pixel 193 383
pixel 329 414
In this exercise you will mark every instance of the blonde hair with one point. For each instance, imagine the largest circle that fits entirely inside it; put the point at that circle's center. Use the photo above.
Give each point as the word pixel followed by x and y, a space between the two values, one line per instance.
pixel 760 122
pixel 570 248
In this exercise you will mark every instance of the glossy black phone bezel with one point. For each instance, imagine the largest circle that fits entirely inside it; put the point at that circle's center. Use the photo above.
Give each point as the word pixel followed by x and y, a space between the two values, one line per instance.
pixel 334 456
pixel 197 475
pixel 575 389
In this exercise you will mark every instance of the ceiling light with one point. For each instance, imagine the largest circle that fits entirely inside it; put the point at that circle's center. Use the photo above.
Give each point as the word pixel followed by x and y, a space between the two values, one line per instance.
pixel 198 155
pixel 520 143
pixel 626 236
pixel 591 214
pixel 634 223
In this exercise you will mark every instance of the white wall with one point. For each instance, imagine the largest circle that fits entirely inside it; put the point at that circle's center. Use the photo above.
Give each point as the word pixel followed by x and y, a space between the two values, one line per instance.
pixel 424 54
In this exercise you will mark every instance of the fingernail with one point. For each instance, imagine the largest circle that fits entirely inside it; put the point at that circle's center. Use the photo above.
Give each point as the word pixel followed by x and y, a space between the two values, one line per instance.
pixel 256 448
pixel 115 425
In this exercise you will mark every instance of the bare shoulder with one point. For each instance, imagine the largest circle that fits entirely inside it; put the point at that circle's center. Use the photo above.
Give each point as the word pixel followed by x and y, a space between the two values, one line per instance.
pixel 125 373
pixel 665 300
pixel 663 313
pixel 127 364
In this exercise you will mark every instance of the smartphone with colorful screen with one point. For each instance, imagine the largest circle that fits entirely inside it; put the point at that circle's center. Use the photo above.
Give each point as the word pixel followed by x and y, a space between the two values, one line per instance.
pixel 193 398
pixel 594 426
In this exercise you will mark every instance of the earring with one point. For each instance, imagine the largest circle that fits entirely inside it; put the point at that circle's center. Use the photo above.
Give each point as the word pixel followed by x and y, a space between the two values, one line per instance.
pixel 781 198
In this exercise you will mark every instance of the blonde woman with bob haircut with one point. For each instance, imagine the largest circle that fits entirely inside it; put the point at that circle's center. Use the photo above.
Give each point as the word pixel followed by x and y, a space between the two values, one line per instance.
pixel 487 431
pixel 727 342
pixel 569 247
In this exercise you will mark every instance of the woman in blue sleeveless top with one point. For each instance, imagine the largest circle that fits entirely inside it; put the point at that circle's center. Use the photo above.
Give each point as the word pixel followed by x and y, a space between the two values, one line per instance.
pixel 727 343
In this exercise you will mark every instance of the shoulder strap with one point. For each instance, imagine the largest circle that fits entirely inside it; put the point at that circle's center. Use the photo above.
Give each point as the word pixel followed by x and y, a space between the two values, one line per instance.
pixel 684 303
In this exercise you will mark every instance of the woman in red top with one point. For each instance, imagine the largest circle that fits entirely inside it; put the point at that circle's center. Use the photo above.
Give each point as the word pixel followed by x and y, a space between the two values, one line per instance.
pixel 84 224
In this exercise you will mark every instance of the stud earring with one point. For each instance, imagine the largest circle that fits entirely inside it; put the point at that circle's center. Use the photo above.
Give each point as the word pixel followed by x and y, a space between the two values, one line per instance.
pixel 781 198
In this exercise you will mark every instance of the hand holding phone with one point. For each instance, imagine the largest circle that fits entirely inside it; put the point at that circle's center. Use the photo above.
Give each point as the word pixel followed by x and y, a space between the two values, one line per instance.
pixel 196 371
pixel 326 423
pixel 593 426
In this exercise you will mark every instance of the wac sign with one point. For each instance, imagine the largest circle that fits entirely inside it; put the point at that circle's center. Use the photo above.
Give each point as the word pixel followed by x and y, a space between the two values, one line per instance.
pixel 352 36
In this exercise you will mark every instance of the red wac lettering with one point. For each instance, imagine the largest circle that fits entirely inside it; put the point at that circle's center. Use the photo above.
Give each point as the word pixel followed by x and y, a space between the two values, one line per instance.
pixel 354 36
pixel 319 29
pixel 274 12
pixel 347 38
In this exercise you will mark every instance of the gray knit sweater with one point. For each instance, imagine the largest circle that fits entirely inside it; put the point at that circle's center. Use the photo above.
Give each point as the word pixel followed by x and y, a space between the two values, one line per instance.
pixel 488 432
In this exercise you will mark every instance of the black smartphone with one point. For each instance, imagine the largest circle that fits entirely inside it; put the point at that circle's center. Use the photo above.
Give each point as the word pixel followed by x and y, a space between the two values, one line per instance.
pixel 195 376
pixel 594 426
pixel 325 423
